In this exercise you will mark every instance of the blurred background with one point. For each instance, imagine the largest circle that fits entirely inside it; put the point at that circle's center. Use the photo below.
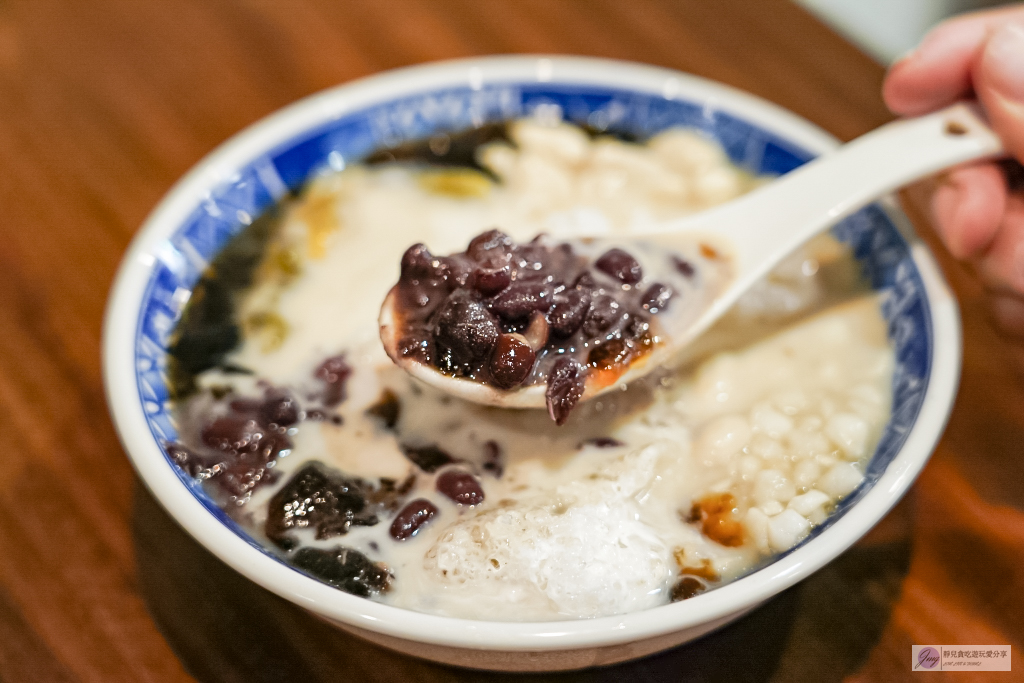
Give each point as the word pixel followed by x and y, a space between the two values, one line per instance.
pixel 885 29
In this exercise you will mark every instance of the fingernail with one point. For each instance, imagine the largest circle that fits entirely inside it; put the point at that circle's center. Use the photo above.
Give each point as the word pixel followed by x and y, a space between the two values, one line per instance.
pixel 1004 61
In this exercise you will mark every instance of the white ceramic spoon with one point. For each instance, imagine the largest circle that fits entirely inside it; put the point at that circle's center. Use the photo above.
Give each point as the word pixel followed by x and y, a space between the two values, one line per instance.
pixel 763 227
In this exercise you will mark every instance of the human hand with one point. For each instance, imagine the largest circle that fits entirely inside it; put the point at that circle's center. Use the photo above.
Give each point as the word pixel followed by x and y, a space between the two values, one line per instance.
pixel 978 210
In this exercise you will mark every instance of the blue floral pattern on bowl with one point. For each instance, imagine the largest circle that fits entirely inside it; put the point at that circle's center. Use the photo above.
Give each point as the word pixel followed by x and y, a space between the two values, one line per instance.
pixel 876 242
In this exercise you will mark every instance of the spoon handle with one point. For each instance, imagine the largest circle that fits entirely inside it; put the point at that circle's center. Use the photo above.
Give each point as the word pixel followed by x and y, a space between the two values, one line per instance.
pixel 769 223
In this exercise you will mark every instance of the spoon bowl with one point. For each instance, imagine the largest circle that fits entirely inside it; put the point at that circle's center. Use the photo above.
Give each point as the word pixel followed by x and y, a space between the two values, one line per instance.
pixel 754 232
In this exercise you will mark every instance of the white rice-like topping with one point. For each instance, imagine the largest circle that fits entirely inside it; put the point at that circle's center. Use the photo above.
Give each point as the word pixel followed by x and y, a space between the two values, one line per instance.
pixel 583 547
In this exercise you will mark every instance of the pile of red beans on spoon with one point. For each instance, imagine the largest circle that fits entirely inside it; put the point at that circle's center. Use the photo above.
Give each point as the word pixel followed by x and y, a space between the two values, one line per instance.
pixel 510 315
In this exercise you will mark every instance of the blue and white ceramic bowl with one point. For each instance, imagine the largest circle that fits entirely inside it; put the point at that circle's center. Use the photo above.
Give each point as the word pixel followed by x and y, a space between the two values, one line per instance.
pixel 243 177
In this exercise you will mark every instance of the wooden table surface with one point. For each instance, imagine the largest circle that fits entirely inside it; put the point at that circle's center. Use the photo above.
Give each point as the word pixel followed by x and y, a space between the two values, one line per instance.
pixel 103 104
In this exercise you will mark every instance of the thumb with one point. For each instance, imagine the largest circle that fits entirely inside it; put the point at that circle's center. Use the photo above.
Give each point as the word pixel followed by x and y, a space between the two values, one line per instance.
pixel 999 83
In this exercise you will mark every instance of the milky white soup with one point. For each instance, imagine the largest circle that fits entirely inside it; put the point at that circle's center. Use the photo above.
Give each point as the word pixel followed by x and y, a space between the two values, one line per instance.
pixel 309 436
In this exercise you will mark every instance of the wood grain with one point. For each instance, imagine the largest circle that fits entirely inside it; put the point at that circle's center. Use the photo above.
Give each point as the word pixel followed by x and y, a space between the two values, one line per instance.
pixel 104 104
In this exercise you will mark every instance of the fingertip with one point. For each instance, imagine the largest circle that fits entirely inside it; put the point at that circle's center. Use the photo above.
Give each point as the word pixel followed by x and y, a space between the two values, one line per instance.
pixel 999 79
pixel 967 208
pixel 906 89
pixel 897 88
pixel 938 71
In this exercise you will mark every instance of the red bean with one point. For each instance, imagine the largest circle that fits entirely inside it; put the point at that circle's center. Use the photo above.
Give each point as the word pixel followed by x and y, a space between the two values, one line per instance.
pixel 490 247
pixel 568 311
pixel 465 331
pixel 490 281
pixel 279 409
pixel 461 487
pixel 656 297
pixel 412 518
pixel 493 459
pixel 334 373
pixel 512 361
pixel 565 388
pixel 604 313
pixel 521 299
pixel 684 266
pixel 418 263
pixel 621 266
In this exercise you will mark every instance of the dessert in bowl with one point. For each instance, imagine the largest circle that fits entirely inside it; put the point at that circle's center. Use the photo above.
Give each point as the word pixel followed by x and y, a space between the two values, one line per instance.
pixel 495 538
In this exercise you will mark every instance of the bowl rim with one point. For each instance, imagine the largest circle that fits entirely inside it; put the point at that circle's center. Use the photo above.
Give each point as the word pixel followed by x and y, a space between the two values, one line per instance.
pixel 125 404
